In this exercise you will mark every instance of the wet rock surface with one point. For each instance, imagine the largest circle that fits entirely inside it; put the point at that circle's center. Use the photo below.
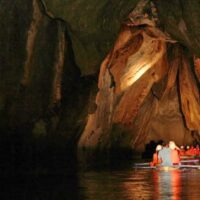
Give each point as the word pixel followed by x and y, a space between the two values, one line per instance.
pixel 52 53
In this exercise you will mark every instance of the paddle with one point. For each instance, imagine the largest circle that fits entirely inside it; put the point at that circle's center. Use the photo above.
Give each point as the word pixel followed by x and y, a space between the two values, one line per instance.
pixel 144 167
pixel 141 164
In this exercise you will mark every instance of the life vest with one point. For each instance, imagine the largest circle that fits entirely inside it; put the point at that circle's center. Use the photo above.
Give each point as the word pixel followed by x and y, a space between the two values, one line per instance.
pixel 197 151
pixel 182 152
pixel 190 152
pixel 175 156
pixel 155 160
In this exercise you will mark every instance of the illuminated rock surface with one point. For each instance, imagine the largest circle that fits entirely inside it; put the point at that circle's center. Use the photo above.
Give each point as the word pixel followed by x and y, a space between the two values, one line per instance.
pixel 143 53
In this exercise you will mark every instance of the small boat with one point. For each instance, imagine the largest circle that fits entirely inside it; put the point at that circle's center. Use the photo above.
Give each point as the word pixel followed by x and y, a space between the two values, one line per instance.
pixel 191 163
pixel 175 167
pixel 168 168
pixel 185 161
pixel 190 157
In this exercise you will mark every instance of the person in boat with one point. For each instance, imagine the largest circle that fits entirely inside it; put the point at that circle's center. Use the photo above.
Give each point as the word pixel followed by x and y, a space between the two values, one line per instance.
pixel 175 157
pixel 165 156
pixel 197 150
pixel 188 151
pixel 182 151
pixel 155 160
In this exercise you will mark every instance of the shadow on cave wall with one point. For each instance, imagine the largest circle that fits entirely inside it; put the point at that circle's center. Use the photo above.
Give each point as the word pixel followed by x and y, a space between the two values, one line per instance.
pixel 43 104
pixel 42 148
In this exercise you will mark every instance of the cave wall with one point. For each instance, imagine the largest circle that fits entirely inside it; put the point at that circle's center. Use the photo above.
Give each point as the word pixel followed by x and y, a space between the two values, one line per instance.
pixel 146 84
pixel 44 100
pixel 52 52
pixel 41 88
pixel 180 19
pixel 168 123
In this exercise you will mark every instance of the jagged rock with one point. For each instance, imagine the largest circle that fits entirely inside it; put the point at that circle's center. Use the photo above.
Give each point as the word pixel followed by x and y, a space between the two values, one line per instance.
pixel 132 95
pixel 39 78
pixel 143 52
pixel 181 20
pixel 93 27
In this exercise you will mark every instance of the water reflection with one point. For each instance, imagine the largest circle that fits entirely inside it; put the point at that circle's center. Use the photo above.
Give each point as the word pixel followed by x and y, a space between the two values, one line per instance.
pixel 167 184
pixel 123 184
pixel 141 184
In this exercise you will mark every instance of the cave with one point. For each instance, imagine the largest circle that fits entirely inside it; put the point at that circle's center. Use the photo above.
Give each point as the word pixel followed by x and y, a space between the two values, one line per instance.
pixel 114 81
pixel 86 86
pixel 148 86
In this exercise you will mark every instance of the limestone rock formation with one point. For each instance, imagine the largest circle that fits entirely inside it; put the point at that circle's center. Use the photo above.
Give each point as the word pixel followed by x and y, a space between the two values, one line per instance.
pixel 147 90
pixel 40 85
pixel 93 27
pixel 145 52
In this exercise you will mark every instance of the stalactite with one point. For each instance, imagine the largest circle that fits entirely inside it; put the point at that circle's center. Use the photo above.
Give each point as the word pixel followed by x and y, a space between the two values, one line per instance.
pixel 197 66
pixel 142 123
pixel 32 33
pixel 59 63
pixel 189 93
pixel 99 123
pixel 174 63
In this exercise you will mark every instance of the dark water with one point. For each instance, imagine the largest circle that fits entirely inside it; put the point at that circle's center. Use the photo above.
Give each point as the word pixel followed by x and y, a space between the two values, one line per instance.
pixel 113 184
pixel 46 171
pixel 141 184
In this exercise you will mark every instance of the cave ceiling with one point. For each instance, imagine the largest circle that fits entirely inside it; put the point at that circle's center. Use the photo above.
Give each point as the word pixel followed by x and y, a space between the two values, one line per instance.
pixel 94 25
